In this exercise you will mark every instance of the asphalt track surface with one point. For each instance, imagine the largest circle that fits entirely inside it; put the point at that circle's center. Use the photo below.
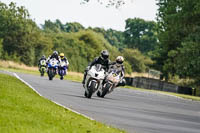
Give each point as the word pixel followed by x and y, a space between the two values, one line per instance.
pixel 130 110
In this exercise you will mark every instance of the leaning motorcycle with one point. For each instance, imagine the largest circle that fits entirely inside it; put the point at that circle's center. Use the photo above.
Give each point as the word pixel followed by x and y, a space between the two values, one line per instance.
pixel 52 68
pixel 112 79
pixel 94 80
pixel 42 68
pixel 62 69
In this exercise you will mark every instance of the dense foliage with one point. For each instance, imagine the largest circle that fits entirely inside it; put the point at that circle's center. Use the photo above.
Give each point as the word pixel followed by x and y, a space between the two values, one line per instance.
pixel 140 34
pixel 179 35
pixel 23 41
pixel 57 26
pixel 139 62
pixel 115 38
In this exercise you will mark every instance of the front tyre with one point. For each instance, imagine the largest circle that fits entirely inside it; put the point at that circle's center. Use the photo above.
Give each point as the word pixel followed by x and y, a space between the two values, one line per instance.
pixel 91 89
pixel 51 74
pixel 98 94
pixel 42 72
pixel 105 89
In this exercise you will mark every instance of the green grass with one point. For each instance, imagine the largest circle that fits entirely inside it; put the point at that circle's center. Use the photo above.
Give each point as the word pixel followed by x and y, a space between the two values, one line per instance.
pixel 69 76
pixel 24 111
pixel 168 93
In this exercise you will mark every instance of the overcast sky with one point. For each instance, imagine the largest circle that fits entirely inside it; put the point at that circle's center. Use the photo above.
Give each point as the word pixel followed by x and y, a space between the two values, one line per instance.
pixel 90 14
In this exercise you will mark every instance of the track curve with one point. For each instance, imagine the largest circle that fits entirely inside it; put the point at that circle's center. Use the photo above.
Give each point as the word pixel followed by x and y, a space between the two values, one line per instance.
pixel 131 110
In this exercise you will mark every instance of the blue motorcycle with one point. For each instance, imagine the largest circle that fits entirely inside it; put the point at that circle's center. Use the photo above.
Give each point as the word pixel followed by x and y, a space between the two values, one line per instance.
pixel 52 68
pixel 62 69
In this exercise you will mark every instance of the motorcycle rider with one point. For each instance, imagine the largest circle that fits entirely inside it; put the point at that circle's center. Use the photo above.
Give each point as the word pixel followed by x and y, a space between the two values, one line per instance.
pixel 118 65
pixel 63 58
pixel 54 55
pixel 102 59
pixel 39 62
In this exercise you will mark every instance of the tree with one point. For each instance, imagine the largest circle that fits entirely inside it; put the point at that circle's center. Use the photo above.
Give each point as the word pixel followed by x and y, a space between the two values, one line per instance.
pixel 114 37
pixel 178 51
pixel 14 29
pixel 139 62
pixel 22 39
pixel 73 27
pixel 51 26
pixel 140 34
pixel 57 26
pixel 1 48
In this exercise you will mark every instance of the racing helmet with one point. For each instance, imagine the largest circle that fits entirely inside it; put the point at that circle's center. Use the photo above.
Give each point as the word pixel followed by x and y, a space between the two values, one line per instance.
pixel 43 56
pixel 62 55
pixel 120 59
pixel 55 52
pixel 104 54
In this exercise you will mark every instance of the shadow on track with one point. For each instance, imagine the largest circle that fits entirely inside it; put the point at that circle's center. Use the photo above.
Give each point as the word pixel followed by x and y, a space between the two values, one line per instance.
pixel 78 96
pixel 93 98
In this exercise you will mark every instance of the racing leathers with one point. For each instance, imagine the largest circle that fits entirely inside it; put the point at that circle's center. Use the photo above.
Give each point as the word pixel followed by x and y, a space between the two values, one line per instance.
pixel 121 69
pixel 64 59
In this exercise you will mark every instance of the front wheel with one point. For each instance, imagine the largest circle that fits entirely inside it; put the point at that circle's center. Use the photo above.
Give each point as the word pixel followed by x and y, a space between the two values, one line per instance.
pixel 91 89
pixel 98 94
pixel 105 90
pixel 51 73
pixel 42 71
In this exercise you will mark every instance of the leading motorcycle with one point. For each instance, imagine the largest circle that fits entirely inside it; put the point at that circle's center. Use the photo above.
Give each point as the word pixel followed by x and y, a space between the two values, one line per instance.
pixel 94 80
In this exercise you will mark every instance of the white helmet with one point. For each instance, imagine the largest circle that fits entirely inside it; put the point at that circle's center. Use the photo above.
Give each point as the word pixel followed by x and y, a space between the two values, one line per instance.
pixel 120 59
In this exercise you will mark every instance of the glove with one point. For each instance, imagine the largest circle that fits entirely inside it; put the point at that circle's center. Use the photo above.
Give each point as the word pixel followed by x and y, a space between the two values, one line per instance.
pixel 87 68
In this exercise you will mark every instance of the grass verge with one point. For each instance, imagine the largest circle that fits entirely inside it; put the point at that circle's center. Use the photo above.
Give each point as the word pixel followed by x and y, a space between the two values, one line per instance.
pixel 73 76
pixel 22 111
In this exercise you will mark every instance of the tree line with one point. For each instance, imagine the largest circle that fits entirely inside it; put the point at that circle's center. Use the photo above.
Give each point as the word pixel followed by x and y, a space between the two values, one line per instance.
pixel 23 41
pixel 170 45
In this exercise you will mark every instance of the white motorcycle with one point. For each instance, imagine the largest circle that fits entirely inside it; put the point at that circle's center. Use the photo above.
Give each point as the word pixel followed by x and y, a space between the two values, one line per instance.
pixel 111 80
pixel 94 79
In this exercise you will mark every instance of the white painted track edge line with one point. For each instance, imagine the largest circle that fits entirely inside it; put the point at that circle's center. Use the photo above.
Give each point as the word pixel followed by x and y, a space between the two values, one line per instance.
pixel 49 99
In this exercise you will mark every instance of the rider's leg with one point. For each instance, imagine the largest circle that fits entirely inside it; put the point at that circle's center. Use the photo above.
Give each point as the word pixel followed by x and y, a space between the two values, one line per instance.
pixel 121 83
pixel 84 77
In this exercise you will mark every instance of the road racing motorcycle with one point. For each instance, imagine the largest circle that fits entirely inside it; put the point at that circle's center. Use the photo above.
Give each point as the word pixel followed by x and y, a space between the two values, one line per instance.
pixel 94 80
pixel 112 78
pixel 42 68
pixel 52 68
pixel 62 69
